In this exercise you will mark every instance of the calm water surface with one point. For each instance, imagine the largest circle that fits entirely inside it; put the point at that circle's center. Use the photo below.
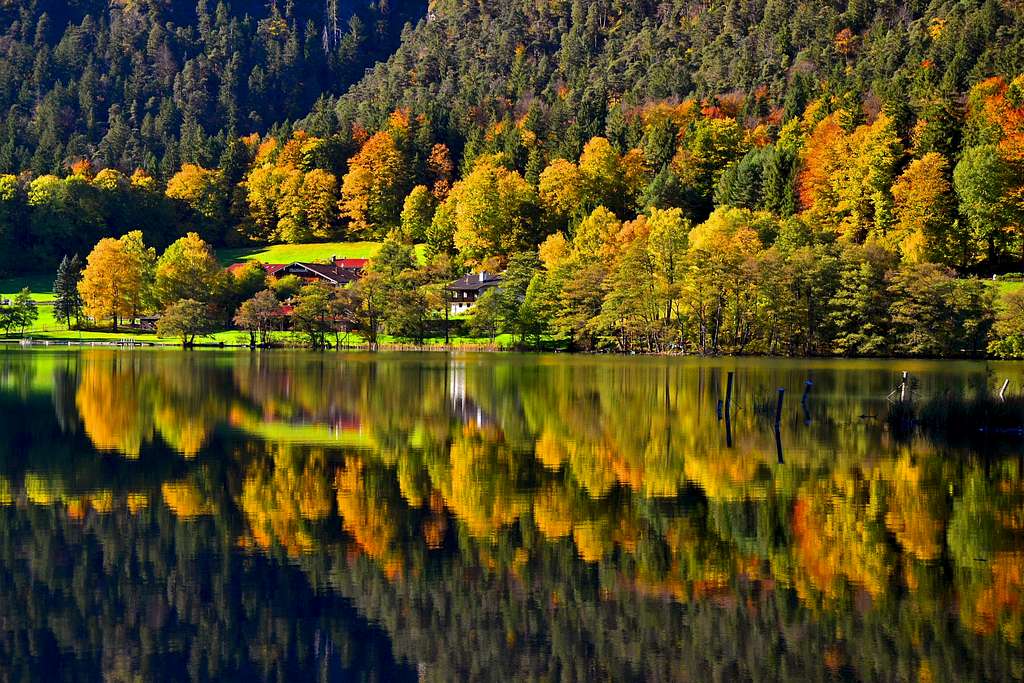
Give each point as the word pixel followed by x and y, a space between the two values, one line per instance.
pixel 168 515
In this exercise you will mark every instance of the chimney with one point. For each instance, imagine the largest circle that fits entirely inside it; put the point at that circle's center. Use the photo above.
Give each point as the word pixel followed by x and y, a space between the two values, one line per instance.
pixel 483 276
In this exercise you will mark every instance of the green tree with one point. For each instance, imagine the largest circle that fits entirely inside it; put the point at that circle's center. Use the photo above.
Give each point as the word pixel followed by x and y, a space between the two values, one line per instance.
pixel 982 180
pixel 67 301
pixel 1008 332
pixel 286 287
pixel 493 212
pixel 245 282
pixel 485 318
pixel 860 307
pixel 417 214
pixel 312 313
pixel 188 269
pixel 517 319
pixel 392 259
pixel 413 309
pixel 185 319
pixel 259 315
pixel 936 315
pixel 704 154
pixel 21 314
pixel 369 306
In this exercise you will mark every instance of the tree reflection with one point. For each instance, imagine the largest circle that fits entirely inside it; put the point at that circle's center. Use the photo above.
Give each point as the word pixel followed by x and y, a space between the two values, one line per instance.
pixel 558 512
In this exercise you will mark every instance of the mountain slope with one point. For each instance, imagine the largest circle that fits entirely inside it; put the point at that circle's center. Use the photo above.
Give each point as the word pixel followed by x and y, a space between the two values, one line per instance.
pixel 570 63
pixel 155 83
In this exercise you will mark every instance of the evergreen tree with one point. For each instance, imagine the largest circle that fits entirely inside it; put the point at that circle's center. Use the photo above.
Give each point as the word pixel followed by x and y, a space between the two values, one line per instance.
pixel 67 302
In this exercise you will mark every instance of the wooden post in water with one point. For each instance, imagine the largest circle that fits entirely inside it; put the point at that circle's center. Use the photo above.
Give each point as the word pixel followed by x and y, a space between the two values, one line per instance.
pixel 904 387
pixel 778 447
pixel 805 401
pixel 1002 392
pixel 728 394
pixel 778 408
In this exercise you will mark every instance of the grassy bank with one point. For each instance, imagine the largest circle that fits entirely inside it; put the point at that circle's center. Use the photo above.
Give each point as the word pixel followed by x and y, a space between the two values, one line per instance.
pixel 48 329
pixel 287 253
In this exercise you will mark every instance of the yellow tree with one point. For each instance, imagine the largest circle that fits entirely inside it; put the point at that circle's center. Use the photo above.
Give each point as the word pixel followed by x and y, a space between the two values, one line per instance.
pixel 666 244
pixel 561 190
pixel 718 286
pixel 264 194
pixel 140 300
pixel 290 197
pixel 113 282
pixel 111 180
pixel 374 187
pixel 187 269
pixel 291 210
pixel 601 168
pixel 493 210
pixel 205 193
pixel 923 208
pixel 845 180
pixel 603 177
pixel 596 236
pixel 307 205
pixel 319 195
pixel 417 213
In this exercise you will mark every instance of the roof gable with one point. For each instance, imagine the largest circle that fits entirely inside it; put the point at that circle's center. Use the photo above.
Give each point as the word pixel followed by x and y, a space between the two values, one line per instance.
pixel 475 282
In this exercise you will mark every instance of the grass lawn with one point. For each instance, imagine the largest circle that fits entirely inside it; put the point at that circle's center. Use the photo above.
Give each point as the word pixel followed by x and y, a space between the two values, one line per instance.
pixel 287 253
pixel 40 285
pixel 1005 288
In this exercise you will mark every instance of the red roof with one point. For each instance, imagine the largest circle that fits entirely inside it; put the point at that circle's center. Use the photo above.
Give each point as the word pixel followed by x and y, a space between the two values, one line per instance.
pixel 351 262
pixel 270 268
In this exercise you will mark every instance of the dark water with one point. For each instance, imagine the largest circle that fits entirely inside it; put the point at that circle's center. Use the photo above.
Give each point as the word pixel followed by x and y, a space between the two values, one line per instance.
pixel 169 516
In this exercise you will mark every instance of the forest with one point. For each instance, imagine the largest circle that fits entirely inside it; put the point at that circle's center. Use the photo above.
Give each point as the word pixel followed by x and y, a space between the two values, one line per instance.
pixel 741 177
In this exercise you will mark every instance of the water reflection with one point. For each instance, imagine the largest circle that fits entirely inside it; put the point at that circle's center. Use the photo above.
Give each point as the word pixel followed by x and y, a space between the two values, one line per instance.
pixel 280 515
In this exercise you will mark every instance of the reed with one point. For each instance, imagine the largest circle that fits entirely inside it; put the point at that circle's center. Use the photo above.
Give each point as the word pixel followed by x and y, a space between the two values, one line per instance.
pixel 957 415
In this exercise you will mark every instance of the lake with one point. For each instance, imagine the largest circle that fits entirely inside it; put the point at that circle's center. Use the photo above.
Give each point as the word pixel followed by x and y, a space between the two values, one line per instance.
pixel 295 516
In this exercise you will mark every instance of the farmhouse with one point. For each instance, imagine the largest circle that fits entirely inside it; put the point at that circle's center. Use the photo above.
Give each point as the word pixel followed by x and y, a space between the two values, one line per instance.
pixel 337 272
pixel 466 291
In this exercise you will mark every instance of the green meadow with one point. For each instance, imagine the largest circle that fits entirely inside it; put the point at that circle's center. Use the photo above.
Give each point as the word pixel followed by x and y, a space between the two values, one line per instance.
pixel 287 253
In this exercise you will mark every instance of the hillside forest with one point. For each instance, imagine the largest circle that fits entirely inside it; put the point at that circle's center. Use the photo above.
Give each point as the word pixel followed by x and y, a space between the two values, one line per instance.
pixel 737 176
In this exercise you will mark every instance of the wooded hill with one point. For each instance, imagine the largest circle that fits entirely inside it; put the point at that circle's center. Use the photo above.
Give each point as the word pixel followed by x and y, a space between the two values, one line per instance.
pixel 574 69
pixel 158 83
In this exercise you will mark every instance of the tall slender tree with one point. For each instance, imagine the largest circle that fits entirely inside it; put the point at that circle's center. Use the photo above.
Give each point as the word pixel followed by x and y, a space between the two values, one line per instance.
pixel 67 301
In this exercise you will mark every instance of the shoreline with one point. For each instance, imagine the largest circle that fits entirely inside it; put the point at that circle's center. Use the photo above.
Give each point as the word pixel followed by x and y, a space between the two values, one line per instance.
pixel 133 344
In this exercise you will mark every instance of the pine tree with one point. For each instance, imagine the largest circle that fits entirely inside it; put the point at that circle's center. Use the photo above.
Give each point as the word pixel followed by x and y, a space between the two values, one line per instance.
pixel 67 300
